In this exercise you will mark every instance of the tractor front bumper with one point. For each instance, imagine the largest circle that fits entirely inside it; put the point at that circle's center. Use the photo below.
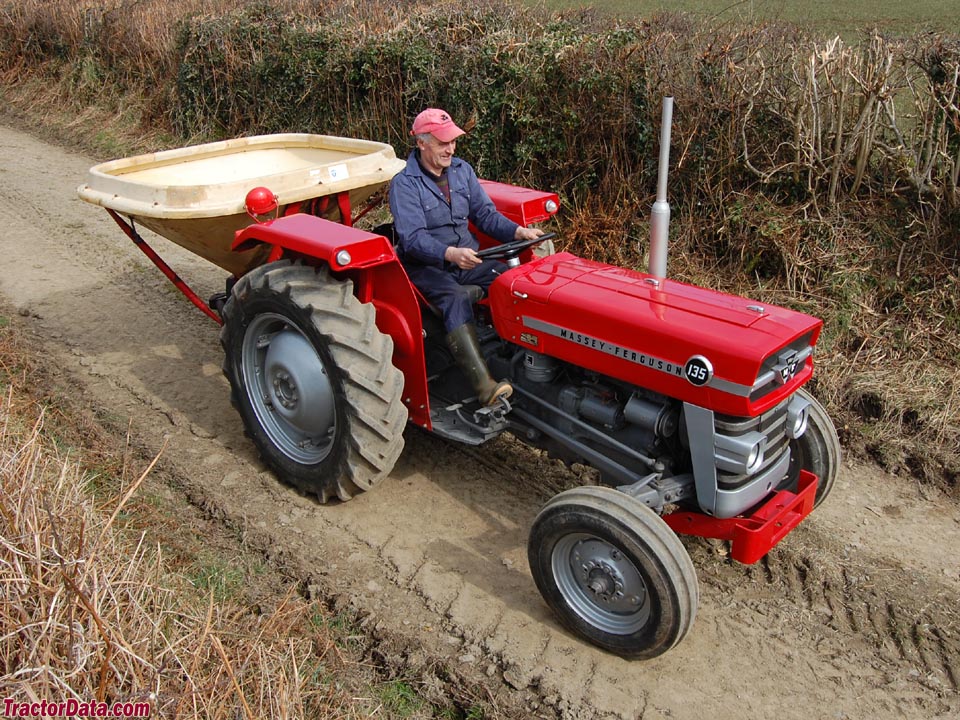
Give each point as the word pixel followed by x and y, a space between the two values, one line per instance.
pixel 753 536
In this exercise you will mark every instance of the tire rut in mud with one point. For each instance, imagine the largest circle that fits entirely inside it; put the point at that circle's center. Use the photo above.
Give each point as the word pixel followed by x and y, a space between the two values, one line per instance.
pixel 906 619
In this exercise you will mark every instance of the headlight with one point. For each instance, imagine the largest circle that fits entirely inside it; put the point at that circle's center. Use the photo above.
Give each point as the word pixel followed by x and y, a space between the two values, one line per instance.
pixel 550 206
pixel 742 454
pixel 755 458
pixel 797 414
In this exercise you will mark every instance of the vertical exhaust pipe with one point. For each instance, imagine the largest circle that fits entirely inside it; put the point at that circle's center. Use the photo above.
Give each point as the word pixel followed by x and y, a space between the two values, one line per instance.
pixel 660 213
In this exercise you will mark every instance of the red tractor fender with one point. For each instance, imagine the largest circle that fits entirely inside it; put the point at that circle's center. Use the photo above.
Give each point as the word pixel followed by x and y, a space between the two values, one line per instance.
pixel 522 205
pixel 370 261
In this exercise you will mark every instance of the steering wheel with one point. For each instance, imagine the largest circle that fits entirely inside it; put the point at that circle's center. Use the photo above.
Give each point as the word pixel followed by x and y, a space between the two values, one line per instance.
pixel 512 249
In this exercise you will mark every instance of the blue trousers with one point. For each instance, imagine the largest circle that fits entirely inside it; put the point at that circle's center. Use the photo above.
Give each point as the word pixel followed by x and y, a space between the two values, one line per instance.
pixel 445 289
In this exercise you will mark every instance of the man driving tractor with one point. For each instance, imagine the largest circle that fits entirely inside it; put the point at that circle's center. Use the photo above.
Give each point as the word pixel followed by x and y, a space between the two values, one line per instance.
pixel 432 200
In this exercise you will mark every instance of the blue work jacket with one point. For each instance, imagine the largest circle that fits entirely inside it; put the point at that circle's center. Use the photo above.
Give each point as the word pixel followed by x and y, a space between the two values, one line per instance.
pixel 426 225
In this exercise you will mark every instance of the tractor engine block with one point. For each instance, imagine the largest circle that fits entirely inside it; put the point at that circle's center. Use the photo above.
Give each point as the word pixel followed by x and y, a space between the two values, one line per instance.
pixel 639 440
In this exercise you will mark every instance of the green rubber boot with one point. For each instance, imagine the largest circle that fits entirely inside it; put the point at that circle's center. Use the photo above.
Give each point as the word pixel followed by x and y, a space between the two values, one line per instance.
pixel 465 347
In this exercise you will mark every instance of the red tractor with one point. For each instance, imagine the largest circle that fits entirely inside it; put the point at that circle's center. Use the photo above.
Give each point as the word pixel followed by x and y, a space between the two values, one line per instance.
pixel 690 403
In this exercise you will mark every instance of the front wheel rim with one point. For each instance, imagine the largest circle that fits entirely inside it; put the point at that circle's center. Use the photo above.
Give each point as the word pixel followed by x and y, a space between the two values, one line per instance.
pixel 289 388
pixel 601 584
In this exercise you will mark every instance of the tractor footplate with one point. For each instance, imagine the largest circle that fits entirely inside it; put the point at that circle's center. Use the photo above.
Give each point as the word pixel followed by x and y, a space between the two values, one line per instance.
pixel 466 423
pixel 755 535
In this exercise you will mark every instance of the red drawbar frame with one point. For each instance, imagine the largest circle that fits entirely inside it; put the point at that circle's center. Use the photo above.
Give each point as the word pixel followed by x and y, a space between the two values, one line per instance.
pixel 172 276
pixel 754 536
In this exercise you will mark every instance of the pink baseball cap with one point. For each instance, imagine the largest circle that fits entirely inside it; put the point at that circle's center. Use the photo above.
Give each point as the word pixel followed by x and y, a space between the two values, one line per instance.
pixel 438 123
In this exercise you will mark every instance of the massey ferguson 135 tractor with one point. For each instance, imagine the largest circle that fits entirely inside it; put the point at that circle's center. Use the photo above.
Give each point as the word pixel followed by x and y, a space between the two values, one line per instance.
pixel 689 402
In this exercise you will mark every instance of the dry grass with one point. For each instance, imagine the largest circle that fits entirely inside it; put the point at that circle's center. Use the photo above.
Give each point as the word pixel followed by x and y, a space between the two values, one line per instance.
pixel 91 610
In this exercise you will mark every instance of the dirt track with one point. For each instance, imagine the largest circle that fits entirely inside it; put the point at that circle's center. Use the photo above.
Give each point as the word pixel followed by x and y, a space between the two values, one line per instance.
pixel 856 615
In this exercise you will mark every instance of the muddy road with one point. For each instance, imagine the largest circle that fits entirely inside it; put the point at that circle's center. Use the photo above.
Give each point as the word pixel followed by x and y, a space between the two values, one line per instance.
pixel 855 615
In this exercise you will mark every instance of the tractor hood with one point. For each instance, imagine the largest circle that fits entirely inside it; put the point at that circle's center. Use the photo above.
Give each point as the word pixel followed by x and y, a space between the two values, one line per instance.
pixel 720 351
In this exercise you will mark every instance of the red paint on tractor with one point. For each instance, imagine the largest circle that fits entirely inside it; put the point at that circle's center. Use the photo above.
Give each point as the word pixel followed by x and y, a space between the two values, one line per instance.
pixel 642 329
pixel 754 535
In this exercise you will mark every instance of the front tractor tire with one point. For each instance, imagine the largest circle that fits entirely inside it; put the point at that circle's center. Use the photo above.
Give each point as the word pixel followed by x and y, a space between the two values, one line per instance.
pixel 312 379
pixel 817 450
pixel 613 572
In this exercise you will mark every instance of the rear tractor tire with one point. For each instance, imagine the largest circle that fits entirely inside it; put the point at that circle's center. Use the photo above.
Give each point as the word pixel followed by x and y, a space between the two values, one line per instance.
pixel 312 379
pixel 613 572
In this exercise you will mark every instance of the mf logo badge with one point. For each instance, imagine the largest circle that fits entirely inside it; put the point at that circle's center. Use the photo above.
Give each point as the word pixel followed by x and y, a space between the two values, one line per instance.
pixel 698 370
pixel 786 367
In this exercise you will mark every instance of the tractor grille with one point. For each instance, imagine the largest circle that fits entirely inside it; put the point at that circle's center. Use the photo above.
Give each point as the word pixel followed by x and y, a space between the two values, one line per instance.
pixel 776 369
pixel 772 425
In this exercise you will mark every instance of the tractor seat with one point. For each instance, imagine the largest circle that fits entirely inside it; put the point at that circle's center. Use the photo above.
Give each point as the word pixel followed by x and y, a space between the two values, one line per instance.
pixel 475 292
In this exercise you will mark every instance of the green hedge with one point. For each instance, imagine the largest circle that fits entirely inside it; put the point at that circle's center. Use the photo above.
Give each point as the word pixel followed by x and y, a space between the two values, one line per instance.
pixel 549 102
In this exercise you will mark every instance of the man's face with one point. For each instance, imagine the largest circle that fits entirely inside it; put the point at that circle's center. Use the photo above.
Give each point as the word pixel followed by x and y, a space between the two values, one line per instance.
pixel 436 155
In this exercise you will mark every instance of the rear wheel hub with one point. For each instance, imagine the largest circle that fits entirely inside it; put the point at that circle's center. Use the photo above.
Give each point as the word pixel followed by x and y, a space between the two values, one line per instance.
pixel 292 394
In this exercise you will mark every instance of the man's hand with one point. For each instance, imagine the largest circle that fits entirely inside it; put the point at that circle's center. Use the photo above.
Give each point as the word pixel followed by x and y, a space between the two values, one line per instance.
pixel 463 257
pixel 527 233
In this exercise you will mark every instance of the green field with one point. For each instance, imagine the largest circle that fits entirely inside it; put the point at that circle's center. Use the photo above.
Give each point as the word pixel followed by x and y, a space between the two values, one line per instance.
pixel 826 16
